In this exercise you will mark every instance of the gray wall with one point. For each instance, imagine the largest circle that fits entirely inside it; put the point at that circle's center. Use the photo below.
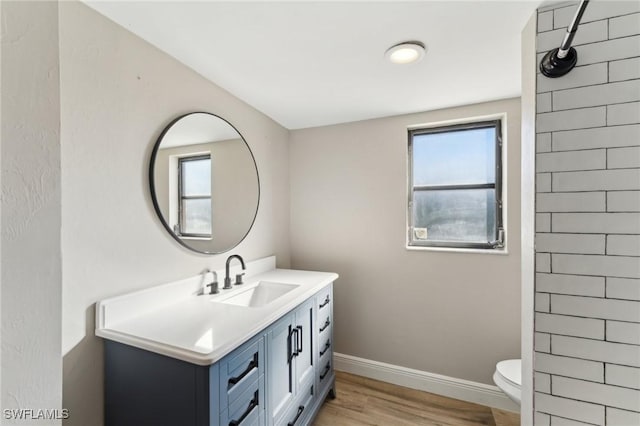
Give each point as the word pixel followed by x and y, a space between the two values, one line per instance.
pixel 587 340
pixel 30 224
pixel 450 313
pixel 117 94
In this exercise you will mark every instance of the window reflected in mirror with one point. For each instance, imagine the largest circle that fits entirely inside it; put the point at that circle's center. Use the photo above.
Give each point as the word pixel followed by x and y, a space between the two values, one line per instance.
pixel 194 193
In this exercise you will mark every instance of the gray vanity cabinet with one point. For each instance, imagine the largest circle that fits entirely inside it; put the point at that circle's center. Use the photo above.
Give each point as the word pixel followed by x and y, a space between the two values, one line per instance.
pixel 279 377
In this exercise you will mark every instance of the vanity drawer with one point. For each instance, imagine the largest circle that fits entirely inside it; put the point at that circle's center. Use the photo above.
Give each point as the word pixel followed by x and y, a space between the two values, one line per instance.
pixel 324 326
pixel 239 370
pixel 323 299
pixel 325 350
pixel 299 412
pixel 248 408
pixel 324 372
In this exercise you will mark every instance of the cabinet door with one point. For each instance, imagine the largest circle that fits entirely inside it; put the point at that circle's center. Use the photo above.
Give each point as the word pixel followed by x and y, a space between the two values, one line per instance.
pixel 280 367
pixel 304 345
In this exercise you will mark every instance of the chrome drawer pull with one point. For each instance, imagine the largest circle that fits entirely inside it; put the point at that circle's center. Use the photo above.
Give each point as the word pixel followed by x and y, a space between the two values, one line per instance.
pixel 326 371
pixel 327 323
pixel 253 364
pixel 252 404
pixel 300 410
pixel 326 348
pixel 325 303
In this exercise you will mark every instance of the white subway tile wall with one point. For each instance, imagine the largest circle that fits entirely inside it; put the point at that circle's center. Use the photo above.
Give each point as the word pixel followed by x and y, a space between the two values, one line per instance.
pixel 583 76
pixel 623 201
pixel 623 288
pixel 572 202
pixel 543 141
pixel 543 382
pixel 574 367
pixel 587 321
pixel 561 421
pixel 576 285
pixel 625 69
pixel 622 417
pixel 600 137
pixel 589 33
pixel 624 114
pixel 623 376
pixel 542 342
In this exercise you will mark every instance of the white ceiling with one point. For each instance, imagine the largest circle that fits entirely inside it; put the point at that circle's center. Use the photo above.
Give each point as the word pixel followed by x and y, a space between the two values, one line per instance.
pixel 308 64
pixel 198 128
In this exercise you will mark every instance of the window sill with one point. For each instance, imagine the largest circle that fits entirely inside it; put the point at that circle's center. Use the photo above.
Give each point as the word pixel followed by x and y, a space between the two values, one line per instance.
pixel 499 252
pixel 195 238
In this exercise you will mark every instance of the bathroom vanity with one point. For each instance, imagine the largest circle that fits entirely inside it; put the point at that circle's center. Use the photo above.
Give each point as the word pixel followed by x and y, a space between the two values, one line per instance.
pixel 258 354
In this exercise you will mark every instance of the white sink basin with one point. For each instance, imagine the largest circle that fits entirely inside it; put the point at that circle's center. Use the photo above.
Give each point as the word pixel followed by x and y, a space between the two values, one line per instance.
pixel 261 294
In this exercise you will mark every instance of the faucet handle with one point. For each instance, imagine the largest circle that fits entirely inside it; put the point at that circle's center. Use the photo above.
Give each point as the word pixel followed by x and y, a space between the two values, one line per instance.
pixel 213 287
pixel 239 278
pixel 214 283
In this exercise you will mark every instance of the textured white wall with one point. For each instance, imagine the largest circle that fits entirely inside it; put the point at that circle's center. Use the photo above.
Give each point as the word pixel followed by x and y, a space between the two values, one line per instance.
pixel 30 223
pixel 1 94
pixel 455 314
pixel 117 94
pixel 587 301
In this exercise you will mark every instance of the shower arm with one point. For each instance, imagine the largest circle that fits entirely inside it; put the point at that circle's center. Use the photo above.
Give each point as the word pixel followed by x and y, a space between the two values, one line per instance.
pixel 571 30
pixel 560 61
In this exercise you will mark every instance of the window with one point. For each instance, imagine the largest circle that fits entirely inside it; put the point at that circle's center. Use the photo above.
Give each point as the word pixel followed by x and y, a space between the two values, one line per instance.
pixel 455 184
pixel 194 194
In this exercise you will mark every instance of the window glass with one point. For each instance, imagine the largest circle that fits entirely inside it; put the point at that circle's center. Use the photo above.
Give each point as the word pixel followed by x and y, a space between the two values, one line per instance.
pixel 197 216
pixel 196 175
pixel 455 157
pixel 456 215
pixel 455 186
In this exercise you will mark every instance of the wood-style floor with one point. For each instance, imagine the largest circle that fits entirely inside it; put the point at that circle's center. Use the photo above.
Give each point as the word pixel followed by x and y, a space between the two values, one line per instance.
pixel 363 401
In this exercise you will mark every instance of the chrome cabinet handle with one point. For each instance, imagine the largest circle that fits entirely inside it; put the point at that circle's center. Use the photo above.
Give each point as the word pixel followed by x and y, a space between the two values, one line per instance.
pixel 300 410
pixel 253 364
pixel 252 404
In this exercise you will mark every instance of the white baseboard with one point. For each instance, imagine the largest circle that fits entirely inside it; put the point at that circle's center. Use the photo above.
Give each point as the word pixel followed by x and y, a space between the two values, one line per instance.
pixel 451 387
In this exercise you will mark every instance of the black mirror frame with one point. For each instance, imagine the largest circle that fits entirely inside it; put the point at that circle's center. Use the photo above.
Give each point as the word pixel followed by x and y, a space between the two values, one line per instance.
pixel 156 207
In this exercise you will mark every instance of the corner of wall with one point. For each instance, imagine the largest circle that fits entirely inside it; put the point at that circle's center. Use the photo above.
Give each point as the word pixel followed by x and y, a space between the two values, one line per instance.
pixel 31 278
pixel 528 106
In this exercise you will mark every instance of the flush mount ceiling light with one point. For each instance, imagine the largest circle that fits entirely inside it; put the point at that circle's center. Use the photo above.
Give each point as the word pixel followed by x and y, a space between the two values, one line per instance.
pixel 406 52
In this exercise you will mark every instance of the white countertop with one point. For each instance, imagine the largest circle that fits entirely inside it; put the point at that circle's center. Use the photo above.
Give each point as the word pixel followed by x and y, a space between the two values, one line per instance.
pixel 174 320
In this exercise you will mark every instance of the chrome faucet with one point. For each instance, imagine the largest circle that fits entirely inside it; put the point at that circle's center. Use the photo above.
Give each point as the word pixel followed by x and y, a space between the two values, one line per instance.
pixel 213 286
pixel 227 279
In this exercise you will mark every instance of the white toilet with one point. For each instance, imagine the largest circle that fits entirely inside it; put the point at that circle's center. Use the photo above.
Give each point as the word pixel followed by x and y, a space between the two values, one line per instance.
pixel 508 377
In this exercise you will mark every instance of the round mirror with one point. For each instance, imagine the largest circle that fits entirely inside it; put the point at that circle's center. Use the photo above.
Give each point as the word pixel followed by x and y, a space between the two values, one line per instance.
pixel 204 183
